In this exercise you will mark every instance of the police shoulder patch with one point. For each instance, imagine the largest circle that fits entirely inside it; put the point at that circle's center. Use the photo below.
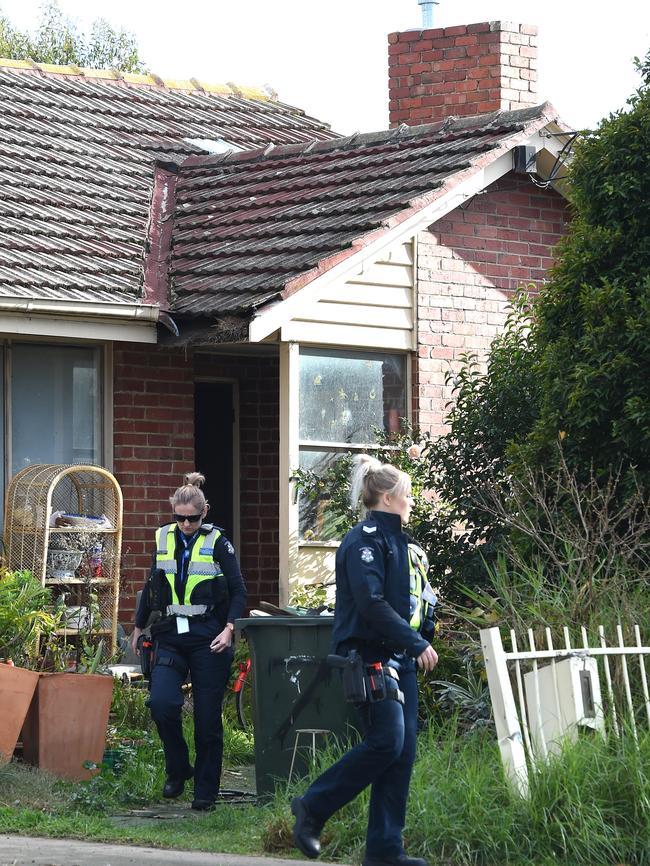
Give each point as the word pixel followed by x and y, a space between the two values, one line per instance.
pixel 230 548
pixel 367 555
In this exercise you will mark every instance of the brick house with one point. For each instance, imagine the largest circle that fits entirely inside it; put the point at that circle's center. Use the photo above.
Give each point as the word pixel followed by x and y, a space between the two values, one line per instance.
pixel 264 305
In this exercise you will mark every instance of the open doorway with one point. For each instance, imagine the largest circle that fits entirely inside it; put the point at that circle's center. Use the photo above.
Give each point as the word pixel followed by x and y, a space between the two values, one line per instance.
pixel 216 449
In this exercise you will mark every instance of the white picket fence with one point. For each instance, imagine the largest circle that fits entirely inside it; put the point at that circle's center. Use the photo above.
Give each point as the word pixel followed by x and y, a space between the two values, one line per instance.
pixel 565 690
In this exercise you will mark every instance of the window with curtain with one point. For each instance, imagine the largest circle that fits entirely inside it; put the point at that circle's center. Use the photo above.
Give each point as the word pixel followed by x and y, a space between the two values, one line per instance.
pixel 344 397
pixel 55 405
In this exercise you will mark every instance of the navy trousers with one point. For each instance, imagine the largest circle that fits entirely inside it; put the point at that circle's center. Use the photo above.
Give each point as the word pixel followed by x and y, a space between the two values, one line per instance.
pixel 176 655
pixel 384 759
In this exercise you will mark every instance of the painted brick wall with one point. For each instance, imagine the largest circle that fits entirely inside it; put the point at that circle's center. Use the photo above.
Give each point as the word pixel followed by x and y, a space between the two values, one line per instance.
pixel 468 266
pixel 154 447
pixel 465 70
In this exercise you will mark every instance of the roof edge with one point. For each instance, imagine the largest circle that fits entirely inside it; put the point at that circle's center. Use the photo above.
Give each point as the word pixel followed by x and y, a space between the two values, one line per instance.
pixel 147 80
pixel 527 116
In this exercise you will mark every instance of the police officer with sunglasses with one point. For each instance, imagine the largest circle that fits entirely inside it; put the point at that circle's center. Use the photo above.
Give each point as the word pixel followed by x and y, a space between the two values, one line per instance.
pixel 194 594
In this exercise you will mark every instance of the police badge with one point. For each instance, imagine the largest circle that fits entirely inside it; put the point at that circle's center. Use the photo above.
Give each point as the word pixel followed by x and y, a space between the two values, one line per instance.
pixel 367 554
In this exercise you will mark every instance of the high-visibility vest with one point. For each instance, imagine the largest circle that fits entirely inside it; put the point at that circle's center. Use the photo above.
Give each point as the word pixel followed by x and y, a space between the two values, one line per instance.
pixel 422 597
pixel 201 566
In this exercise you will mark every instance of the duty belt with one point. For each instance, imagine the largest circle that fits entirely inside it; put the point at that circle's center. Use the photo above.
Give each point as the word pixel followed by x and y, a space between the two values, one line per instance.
pixel 188 610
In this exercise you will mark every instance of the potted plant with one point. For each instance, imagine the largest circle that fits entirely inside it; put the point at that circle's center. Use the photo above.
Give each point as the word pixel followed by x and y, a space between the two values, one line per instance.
pixel 24 617
pixel 65 728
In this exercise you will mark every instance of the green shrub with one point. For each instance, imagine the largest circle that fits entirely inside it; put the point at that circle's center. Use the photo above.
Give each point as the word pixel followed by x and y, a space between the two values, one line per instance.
pixel 25 614
pixel 593 318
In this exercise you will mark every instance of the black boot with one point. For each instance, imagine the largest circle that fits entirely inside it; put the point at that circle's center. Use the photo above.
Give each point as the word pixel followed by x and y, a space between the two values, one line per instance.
pixel 399 860
pixel 174 787
pixel 203 805
pixel 306 830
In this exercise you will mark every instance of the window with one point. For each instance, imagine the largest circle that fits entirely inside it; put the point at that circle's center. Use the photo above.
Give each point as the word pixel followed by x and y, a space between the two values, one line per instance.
pixel 344 397
pixel 55 405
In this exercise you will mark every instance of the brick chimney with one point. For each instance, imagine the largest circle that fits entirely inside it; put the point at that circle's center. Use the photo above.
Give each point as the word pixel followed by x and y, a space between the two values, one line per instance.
pixel 464 70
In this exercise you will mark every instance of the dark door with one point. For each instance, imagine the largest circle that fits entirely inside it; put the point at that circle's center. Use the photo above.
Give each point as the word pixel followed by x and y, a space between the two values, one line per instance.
pixel 214 430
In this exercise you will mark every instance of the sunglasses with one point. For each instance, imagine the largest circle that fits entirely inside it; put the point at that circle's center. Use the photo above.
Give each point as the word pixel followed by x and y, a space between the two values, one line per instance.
pixel 191 518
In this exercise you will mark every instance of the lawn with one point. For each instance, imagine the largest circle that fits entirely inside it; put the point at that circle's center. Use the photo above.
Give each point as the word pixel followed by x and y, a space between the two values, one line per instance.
pixel 588 807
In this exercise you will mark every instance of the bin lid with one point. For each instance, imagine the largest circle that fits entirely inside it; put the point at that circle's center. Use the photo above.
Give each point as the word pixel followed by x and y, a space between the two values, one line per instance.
pixel 284 621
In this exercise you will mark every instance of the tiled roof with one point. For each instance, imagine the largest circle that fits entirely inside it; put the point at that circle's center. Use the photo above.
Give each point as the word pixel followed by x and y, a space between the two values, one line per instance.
pixel 76 167
pixel 252 227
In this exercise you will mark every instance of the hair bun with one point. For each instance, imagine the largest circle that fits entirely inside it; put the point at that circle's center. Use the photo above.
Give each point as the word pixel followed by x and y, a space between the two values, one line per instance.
pixel 195 479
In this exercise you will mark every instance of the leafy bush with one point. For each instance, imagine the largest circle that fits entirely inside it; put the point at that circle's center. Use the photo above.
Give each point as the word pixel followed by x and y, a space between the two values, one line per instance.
pixel 593 318
pixel 25 613
pixel 494 406
pixel 332 486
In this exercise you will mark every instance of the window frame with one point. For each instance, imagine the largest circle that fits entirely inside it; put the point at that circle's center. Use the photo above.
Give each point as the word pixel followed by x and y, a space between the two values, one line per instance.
pixel 345 447
pixel 104 353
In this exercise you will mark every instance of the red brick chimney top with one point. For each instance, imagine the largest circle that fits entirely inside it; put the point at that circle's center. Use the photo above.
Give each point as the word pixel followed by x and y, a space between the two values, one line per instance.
pixel 466 70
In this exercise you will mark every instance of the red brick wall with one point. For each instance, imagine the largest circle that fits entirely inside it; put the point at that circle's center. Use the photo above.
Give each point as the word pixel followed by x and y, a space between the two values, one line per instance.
pixel 259 469
pixel 468 266
pixel 465 70
pixel 154 447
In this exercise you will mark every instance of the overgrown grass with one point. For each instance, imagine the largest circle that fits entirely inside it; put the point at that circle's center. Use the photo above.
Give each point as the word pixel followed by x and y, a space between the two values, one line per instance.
pixel 590 806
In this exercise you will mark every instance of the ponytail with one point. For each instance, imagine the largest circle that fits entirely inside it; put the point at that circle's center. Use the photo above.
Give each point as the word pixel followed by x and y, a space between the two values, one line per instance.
pixel 190 493
pixel 370 479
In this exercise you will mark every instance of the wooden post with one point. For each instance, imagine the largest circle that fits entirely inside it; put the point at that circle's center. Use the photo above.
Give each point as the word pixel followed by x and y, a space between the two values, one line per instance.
pixel 504 708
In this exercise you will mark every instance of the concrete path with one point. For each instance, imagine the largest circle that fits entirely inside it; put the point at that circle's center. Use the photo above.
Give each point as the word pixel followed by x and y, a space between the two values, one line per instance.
pixel 26 851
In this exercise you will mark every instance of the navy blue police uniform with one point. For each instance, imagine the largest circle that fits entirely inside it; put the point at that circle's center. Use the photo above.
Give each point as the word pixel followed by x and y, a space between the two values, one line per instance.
pixel 373 616
pixel 179 652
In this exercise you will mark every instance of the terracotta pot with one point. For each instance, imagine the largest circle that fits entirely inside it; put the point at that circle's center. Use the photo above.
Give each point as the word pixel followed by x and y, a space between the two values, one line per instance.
pixel 17 686
pixel 66 724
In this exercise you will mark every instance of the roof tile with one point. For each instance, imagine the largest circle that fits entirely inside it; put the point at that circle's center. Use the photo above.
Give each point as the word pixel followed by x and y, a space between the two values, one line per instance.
pixel 246 225
pixel 77 151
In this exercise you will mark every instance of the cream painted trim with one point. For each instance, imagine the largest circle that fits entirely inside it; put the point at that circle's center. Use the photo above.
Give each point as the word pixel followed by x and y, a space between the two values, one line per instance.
pixel 289 461
pixel 415 307
pixel 77 328
pixel 298 304
pixel 338 313
pixel 347 336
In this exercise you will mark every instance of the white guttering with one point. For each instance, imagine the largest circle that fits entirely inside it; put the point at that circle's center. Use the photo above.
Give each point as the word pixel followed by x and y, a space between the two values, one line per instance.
pixel 146 313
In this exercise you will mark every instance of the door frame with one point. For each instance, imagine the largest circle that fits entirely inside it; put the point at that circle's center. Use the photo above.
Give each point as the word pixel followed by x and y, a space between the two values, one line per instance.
pixel 236 501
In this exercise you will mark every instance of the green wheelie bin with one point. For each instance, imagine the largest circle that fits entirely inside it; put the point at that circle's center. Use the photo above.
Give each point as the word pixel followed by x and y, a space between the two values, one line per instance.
pixel 294 690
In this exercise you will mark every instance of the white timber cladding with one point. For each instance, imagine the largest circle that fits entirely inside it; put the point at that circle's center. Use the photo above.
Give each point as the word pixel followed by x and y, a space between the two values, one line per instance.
pixel 374 308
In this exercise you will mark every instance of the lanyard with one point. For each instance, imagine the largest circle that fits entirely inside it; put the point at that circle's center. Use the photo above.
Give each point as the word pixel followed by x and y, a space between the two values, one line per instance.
pixel 187 551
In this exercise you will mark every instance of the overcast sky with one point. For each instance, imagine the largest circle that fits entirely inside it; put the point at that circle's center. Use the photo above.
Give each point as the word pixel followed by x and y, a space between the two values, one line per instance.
pixel 330 57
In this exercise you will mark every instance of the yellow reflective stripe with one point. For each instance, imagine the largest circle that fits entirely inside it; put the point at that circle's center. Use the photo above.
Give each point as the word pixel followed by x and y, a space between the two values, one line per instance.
pixel 165 538
pixel 417 577
pixel 192 582
pixel 202 565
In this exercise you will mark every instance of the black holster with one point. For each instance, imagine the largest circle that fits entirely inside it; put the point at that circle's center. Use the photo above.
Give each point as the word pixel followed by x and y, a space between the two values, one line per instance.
pixel 365 682
pixel 146 648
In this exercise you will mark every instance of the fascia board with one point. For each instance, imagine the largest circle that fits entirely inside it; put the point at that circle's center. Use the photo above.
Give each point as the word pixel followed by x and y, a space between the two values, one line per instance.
pixel 79 319
pixel 78 328
pixel 89 309
pixel 274 317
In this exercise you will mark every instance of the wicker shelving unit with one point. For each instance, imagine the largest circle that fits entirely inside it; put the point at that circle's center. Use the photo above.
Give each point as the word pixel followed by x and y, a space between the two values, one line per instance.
pixel 64 524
